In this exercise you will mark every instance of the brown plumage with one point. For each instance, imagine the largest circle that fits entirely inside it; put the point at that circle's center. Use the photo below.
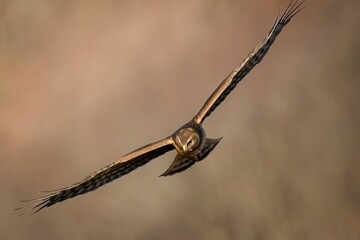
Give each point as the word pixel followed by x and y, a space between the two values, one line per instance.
pixel 189 141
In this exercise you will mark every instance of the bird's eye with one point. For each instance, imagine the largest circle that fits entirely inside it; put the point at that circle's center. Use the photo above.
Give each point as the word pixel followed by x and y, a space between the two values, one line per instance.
pixel 190 142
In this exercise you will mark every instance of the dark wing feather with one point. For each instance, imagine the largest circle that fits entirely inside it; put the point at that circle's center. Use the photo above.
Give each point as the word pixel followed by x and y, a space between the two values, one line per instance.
pixel 181 163
pixel 230 82
pixel 121 167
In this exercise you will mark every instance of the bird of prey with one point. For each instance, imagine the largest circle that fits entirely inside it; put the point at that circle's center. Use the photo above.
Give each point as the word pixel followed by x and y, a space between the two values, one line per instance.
pixel 189 141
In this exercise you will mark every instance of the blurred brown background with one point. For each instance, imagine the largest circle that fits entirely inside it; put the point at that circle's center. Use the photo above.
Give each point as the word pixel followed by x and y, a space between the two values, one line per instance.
pixel 84 82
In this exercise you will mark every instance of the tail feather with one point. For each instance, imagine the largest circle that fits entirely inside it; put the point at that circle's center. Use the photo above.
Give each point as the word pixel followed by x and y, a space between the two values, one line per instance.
pixel 182 163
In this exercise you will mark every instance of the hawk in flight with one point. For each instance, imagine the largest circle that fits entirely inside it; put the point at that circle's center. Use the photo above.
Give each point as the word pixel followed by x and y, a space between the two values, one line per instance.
pixel 189 141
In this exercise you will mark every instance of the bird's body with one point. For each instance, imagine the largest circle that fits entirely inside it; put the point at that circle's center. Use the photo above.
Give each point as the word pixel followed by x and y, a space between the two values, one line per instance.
pixel 189 141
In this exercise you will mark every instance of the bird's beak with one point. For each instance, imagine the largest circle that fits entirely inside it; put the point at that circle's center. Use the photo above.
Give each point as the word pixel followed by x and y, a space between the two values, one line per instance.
pixel 185 148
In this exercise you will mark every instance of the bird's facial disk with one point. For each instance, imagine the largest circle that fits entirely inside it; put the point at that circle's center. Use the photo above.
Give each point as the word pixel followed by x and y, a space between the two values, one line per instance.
pixel 188 140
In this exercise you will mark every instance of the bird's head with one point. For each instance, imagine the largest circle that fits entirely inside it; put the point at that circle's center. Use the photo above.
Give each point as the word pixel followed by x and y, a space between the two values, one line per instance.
pixel 187 141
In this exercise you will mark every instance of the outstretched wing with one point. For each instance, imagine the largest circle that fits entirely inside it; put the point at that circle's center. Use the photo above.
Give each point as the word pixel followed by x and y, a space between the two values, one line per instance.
pixel 120 167
pixel 181 163
pixel 230 82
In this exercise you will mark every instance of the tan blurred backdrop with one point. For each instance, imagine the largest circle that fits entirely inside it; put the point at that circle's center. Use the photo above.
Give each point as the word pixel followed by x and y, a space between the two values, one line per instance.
pixel 84 82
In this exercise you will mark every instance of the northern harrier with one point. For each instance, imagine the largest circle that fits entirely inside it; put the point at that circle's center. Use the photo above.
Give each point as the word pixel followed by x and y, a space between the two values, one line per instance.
pixel 189 141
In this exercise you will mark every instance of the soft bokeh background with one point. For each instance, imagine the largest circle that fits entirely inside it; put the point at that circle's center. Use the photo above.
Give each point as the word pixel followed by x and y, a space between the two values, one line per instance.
pixel 84 82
